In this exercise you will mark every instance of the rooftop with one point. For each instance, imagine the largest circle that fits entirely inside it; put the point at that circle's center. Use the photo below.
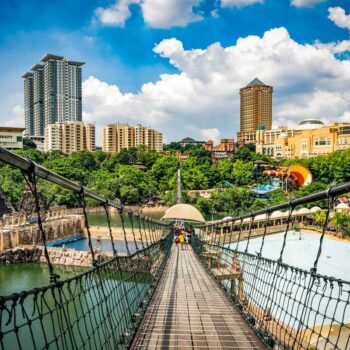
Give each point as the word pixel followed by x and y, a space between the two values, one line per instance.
pixel 11 128
pixel 76 63
pixel 310 124
pixel 256 82
pixel 49 56
pixel 36 66
pixel 190 140
pixel 27 75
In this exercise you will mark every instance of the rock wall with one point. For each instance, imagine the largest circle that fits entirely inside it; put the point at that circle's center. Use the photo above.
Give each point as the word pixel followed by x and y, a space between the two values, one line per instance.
pixel 30 234
pixel 72 257
pixel 20 255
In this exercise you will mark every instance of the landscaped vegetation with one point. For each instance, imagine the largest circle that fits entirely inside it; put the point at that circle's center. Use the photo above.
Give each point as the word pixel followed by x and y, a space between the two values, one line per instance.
pixel 119 175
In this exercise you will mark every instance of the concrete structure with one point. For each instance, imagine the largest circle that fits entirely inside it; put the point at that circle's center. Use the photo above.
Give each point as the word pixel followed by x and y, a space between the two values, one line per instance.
pixel 310 138
pixel 52 93
pixel 116 137
pixel 182 157
pixel 70 137
pixel 255 111
pixel 38 140
pixel 224 149
pixel 189 141
pixel 11 137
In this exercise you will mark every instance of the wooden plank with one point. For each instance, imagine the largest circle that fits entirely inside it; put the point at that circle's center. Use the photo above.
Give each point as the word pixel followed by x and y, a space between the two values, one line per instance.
pixel 189 311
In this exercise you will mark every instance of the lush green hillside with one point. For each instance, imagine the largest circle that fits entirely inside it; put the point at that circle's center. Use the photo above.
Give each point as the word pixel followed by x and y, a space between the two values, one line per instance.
pixel 116 176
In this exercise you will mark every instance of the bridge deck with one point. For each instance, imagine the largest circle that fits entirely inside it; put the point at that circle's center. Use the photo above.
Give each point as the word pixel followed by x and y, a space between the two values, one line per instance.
pixel 189 311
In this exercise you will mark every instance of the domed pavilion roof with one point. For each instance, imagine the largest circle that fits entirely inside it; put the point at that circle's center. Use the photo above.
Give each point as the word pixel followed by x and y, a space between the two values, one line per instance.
pixel 310 124
pixel 184 212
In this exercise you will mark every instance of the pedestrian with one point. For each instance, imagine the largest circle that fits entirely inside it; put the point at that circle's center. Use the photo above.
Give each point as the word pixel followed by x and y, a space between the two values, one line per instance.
pixel 187 239
pixel 182 240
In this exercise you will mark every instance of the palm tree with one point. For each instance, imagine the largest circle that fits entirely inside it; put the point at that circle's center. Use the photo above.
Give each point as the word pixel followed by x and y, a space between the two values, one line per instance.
pixel 319 217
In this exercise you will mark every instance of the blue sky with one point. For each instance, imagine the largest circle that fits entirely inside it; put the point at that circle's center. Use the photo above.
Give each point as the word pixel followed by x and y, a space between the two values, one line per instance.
pixel 156 61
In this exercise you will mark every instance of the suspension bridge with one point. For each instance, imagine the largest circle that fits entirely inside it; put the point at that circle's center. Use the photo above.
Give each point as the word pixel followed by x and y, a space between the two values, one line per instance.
pixel 215 295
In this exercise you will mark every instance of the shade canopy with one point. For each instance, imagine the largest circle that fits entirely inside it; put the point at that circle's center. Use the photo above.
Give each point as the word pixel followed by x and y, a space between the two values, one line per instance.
pixel 342 206
pixel 315 209
pixel 184 212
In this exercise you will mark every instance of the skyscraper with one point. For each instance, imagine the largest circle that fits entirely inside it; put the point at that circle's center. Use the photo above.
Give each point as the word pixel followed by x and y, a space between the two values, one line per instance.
pixel 52 93
pixel 256 110
pixel 28 103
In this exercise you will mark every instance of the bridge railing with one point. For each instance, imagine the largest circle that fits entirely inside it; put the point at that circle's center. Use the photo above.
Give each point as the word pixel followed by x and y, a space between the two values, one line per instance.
pixel 288 304
pixel 100 308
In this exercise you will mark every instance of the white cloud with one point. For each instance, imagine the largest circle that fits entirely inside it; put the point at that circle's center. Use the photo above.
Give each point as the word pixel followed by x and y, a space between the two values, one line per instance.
pixel 116 14
pixel 240 3
pixel 306 3
pixel 17 117
pixel 339 17
pixel 169 13
pixel 308 80
pixel 335 47
pixel 156 13
pixel 211 134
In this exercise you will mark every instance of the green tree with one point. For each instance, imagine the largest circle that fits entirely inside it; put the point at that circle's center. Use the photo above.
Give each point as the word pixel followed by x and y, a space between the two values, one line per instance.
pixel 243 172
pixel 342 222
pixel 164 172
pixel 33 154
pixel 319 218
pixel 28 143
pixel 244 153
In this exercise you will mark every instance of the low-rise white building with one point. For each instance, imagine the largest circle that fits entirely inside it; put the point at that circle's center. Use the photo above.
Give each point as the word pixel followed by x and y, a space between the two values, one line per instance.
pixel 11 137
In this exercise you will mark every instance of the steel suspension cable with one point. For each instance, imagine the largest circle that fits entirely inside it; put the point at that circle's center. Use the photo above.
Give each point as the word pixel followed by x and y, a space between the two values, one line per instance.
pixel 31 181
pixel 82 201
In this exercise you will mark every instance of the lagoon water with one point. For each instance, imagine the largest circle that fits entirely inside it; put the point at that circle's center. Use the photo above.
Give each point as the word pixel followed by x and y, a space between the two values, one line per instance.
pixel 327 301
pixel 302 252
pixel 103 245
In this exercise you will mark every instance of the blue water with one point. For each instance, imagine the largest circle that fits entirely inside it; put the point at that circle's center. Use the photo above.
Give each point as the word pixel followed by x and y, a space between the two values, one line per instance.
pixel 334 261
pixel 105 245
pixel 302 253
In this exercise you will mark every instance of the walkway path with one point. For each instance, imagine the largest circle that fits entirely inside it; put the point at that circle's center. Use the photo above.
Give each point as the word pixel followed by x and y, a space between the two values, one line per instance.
pixel 189 311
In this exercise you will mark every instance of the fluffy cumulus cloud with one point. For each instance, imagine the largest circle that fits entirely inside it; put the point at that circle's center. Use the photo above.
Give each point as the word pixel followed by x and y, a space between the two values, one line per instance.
pixel 169 13
pixel 156 13
pixel 240 3
pixel 202 100
pixel 339 17
pixel 306 3
pixel 116 14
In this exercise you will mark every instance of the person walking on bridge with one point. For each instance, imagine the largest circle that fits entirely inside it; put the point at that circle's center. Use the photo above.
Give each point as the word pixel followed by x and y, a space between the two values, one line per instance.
pixel 182 239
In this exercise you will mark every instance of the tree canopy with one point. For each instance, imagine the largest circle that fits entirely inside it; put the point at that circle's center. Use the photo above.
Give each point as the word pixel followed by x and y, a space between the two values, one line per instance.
pixel 118 175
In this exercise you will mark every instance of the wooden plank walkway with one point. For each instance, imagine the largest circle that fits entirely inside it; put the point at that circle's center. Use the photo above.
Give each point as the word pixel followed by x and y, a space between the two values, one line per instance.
pixel 189 311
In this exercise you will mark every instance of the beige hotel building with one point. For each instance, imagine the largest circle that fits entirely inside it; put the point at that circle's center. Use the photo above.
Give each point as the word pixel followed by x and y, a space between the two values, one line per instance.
pixel 255 110
pixel 310 138
pixel 116 137
pixel 69 137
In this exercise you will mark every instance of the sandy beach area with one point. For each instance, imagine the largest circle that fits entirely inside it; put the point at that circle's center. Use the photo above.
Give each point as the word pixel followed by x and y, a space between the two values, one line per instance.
pixel 328 235
pixel 118 233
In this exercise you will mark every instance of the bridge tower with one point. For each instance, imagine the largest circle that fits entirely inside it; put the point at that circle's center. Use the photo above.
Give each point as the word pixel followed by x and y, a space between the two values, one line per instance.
pixel 178 187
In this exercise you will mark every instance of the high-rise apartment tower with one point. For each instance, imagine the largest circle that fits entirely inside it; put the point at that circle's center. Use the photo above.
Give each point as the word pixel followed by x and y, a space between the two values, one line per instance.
pixel 52 93
pixel 256 110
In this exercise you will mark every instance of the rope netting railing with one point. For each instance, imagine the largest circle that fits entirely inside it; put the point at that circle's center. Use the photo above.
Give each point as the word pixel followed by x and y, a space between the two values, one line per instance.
pixel 99 308
pixel 281 291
